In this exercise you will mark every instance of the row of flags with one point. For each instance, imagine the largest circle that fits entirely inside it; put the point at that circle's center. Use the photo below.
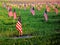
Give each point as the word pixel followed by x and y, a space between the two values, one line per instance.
pixel 32 10
pixel 28 4
pixel 10 13
pixel 45 12
pixel 18 24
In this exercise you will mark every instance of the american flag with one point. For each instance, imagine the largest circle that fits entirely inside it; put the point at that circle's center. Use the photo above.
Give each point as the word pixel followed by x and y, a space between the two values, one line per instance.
pixel 10 13
pixel 19 26
pixel 45 15
pixel 32 11
pixel 14 14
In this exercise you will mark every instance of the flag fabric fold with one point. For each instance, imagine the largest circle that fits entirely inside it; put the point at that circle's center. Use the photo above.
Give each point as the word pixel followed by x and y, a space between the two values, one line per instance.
pixel 32 11
pixel 45 16
pixel 10 13
pixel 19 26
pixel 14 14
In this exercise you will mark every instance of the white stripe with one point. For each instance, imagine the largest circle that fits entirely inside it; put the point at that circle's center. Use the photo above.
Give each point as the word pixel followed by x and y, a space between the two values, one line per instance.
pixel 19 22
pixel 19 28
pixel 19 25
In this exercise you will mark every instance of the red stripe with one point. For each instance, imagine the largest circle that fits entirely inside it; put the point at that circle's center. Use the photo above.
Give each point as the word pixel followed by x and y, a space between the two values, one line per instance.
pixel 19 30
pixel 19 27
pixel 18 24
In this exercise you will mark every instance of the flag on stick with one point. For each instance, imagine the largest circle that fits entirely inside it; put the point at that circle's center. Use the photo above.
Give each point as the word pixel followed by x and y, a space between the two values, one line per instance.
pixel 45 15
pixel 32 11
pixel 19 26
pixel 14 14
pixel 10 13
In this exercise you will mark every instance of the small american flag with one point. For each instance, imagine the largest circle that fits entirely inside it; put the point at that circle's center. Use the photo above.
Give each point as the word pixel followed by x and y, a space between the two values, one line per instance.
pixel 10 13
pixel 45 15
pixel 19 26
pixel 14 14
pixel 32 11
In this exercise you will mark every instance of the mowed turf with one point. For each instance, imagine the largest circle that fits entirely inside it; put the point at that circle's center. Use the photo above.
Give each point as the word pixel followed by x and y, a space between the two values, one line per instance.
pixel 36 26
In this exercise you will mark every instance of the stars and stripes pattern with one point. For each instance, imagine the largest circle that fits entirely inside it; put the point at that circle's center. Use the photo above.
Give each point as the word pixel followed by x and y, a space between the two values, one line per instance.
pixel 19 26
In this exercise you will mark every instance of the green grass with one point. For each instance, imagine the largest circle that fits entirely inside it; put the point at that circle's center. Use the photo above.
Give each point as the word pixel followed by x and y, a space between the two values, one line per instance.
pixel 43 32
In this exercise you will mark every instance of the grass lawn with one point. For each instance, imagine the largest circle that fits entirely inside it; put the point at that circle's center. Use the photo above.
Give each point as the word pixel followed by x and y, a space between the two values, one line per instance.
pixel 45 33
